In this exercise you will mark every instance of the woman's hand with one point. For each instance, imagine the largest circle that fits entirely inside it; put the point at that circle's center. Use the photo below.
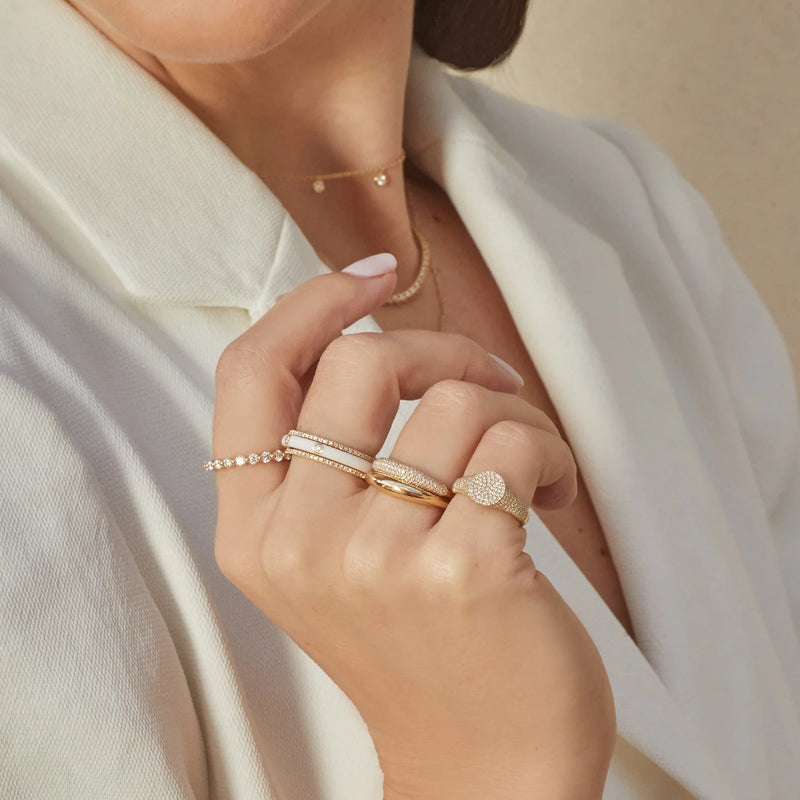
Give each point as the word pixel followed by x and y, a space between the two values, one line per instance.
pixel 473 676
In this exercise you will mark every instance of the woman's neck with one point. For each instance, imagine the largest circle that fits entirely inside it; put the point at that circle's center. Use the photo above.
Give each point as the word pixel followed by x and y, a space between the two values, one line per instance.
pixel 328 98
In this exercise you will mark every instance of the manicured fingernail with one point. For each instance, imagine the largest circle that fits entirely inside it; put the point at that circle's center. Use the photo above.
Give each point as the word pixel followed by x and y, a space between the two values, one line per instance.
pixel 372 266
pixel 508 368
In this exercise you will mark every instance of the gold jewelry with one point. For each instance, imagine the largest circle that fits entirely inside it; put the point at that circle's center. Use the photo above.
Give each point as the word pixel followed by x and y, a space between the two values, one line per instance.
pixel 328 452
pixel 406 491
pixel 489 489
pixel 424 249
pixel 389 468
pixel 424 265
pixel 424 268
pixel 241 461
pixel 423 246
pixel 379 174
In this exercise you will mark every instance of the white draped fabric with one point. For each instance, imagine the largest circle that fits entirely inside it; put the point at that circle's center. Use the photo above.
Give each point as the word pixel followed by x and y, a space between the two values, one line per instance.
pixel 134 246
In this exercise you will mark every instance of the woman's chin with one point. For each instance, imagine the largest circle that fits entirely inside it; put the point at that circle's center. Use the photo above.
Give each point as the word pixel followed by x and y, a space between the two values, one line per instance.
pixel 204 31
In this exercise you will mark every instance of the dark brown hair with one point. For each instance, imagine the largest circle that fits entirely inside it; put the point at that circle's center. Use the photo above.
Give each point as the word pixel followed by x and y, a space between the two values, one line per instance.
pixel 469 34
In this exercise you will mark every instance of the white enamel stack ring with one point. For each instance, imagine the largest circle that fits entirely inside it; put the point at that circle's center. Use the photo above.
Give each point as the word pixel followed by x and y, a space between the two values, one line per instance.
pixel 328 452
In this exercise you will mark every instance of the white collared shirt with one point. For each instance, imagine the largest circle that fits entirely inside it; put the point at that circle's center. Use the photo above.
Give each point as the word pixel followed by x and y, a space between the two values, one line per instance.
pixel 134 247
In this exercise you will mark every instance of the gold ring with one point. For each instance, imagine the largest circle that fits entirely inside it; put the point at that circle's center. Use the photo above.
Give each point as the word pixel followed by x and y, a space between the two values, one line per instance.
pixel 406 491
pixel 489 489
pixel 328 452
pixel 329 442
pixel 389 468
pixel 240 461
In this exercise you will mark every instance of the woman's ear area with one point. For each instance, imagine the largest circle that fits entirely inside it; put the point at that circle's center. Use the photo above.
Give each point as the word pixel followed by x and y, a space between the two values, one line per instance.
pixel 469 34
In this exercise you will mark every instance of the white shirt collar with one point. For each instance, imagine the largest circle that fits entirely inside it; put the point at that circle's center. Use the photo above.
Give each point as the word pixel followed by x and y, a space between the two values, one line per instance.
pixel 170 208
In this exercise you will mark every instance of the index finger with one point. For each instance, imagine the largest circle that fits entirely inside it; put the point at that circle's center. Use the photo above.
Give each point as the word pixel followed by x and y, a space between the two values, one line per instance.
pixel 269 360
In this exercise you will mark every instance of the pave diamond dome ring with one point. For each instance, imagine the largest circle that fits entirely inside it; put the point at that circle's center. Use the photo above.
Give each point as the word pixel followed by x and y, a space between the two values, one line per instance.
pixel 407 482
pixel 389 468
pixel 489 489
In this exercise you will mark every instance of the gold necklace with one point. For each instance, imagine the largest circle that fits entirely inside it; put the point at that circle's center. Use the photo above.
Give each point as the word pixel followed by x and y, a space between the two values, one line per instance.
pixel 381 179
pixel 425 265
pixel 379 174
pixel 424 249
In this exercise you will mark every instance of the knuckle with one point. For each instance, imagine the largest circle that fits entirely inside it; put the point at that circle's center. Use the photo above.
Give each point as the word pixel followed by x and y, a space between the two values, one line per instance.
pixel 460 341
pixel 465 579
pixel 549 424
pixel 449 573
pixel 241 361
pixel 573 464
pixel 284 560
pixel 353 352
pixel 512 435
pixel 454 397
pixel 524 576
pixel 363 569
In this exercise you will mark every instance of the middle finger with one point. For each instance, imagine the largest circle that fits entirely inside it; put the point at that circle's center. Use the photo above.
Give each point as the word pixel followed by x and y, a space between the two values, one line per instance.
pixel 361 378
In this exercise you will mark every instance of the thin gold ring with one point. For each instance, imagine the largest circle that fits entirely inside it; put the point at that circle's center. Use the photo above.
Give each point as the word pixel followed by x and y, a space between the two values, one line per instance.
pixel 406 491
pixel 265 457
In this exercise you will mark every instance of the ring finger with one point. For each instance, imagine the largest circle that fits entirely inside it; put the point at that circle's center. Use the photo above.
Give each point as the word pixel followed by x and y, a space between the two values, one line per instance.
pixel 360 380
pixel 481 542
pixel 452 418
pixel 456 427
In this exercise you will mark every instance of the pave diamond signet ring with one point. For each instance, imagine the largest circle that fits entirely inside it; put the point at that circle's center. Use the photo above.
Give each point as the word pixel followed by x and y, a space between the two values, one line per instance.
pixel 489 489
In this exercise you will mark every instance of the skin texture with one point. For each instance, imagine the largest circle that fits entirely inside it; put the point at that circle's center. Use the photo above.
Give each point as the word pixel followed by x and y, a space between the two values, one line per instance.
pixel 203 31
pixel 330 97
pixel 503 693
pixel 475 679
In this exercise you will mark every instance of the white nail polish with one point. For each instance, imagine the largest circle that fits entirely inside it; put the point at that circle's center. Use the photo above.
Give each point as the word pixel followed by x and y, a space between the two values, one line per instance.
pixel 508 368
pixel 372 266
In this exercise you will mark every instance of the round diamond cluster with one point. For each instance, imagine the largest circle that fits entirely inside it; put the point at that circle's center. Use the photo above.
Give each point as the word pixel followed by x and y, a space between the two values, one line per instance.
pixel 487 488
pixel 240 461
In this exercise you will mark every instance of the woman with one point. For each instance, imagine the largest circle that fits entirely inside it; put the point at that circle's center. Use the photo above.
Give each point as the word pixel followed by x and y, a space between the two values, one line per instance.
pixel 182 188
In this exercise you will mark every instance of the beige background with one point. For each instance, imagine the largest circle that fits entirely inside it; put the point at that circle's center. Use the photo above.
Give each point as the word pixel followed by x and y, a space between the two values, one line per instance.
pixel 715 84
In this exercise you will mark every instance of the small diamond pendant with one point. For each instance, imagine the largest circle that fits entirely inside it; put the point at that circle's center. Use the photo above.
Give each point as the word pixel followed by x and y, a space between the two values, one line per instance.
pixel 381 179
pixel 318 186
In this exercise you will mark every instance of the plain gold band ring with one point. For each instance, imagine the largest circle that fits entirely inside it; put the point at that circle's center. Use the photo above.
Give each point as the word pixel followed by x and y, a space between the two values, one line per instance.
pixel 406 491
